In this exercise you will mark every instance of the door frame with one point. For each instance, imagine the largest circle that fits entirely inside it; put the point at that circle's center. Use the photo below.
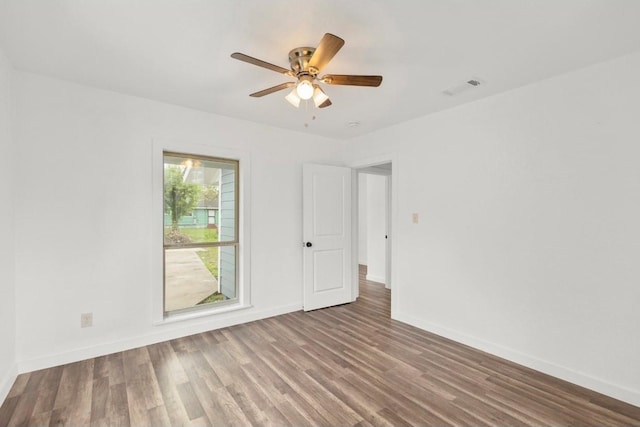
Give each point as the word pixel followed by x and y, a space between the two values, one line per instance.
pixel 393 221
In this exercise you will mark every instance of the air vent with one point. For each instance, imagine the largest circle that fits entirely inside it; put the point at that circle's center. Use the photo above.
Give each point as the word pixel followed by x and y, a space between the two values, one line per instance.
pixel 469 84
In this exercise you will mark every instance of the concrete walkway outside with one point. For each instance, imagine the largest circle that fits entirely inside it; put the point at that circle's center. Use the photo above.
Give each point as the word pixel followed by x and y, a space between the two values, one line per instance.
pixel 187 280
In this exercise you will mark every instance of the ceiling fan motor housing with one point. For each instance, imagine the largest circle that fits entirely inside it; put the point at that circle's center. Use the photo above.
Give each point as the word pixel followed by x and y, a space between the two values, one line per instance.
pixel 299 59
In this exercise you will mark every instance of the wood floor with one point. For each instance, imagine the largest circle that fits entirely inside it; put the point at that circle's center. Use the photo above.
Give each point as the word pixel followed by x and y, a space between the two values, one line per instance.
pixel 343 366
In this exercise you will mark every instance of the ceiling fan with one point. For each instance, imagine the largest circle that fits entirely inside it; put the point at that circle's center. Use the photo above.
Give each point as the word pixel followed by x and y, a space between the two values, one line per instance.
pixel 306 63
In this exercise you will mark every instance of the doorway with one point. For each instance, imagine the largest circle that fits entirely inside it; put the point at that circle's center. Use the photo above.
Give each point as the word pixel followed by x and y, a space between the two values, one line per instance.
pixel 374 223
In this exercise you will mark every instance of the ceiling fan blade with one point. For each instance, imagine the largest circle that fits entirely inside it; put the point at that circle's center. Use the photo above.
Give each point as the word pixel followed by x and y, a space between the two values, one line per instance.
pixel 350 80
pixel 261 63
pixel 325 104
pixel 328 47
pixel 272 89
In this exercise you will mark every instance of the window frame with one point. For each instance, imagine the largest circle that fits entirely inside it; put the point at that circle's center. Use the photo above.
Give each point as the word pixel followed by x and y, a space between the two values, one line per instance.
pixel 242 237
pixel 219 244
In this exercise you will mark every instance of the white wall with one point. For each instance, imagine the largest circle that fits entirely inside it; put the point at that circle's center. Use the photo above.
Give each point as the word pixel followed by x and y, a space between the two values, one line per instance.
pixel 83 220
pixel 362 219
pixel 7 284
pixel 529 235
pixel 376 227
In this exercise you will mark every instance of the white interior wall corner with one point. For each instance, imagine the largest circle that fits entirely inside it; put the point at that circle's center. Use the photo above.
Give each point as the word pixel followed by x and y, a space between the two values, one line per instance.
pixel 8 369
pixel 527 244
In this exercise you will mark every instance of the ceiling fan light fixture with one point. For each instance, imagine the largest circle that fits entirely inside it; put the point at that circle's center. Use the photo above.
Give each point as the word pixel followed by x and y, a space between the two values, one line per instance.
pixel 304 88
pixel 319 96
pixel 293 98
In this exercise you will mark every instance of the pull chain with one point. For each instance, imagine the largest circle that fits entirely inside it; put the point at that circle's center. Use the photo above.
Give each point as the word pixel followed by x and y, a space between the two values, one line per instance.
pixel 308 113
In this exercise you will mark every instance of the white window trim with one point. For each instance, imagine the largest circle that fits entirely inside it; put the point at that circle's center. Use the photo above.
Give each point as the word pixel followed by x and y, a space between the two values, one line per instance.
pixel 157 222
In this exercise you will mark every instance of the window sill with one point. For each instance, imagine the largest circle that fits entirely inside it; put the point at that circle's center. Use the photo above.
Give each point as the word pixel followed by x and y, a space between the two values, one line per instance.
pixel 213 311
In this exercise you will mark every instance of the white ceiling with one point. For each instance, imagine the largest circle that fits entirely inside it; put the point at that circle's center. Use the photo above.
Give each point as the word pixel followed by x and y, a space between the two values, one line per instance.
pixel 177 51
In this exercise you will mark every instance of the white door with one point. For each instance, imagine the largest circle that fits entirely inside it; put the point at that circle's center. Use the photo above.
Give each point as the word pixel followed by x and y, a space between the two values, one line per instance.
pixel 326 222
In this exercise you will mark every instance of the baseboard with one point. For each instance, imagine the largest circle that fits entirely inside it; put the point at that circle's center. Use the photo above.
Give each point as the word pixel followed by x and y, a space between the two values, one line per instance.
pixel 579 378
pixel 377 279
pixel 208 324
pixel 6 382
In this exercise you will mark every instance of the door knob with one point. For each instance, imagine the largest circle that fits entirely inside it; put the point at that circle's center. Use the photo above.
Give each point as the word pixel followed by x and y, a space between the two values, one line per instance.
pixel 308 244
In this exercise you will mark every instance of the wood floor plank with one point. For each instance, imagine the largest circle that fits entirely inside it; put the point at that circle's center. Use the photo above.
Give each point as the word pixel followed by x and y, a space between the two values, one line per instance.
pixel 365 408
pixel 250 408
pixel 41 419
pixel 291 414
pixel 59 417
pixel 48 390
pixel 231 413
pixel 168 372
pixel 166 363
pixel 307 408
pixel 8 408
pixel 23 409
pixel 19 384
pixel 80 407
pixel 212 406
pixel 275 418
pixel 118 408
pixel 345 365
pixel 100 367
pixel 302 385
pixel 190 401
pixel 99 399
pixel 68 385
pixel 115 369
pixel 158 416
pixel 389 397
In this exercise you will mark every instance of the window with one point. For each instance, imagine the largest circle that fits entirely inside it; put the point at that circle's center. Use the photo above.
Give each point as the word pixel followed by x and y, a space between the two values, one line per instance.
pixel 201 227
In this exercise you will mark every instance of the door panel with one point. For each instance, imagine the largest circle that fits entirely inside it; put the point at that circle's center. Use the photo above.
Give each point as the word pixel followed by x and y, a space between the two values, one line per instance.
pixel 327 236
pixel 328 270
pixel 328 218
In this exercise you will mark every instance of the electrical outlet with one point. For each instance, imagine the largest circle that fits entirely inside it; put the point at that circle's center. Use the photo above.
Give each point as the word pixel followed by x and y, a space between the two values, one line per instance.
pixel 86 320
